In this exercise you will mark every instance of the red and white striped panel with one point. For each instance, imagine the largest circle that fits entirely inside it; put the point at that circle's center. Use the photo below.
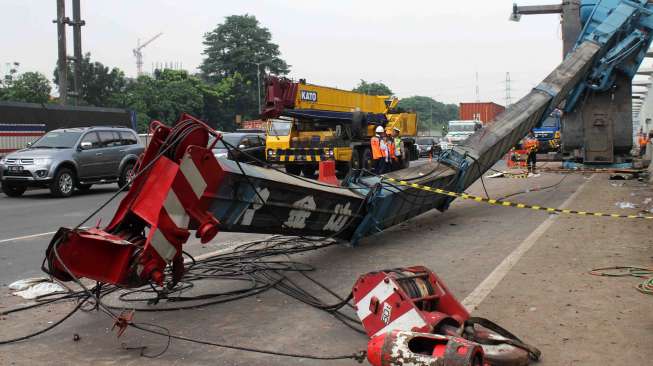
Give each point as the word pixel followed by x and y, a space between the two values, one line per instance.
pixel 186 191
pixel 182 203
pixel 391 313
pixel 17 136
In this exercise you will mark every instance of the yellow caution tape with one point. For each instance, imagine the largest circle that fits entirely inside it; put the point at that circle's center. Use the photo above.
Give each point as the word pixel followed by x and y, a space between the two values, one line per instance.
pixel 518 176
pixel 512 204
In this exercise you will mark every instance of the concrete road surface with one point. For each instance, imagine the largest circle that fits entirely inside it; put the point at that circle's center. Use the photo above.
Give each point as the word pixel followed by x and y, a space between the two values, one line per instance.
pixel 482 252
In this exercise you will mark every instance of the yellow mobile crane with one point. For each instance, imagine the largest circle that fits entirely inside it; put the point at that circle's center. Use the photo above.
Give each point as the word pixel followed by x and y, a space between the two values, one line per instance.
pixel 310 123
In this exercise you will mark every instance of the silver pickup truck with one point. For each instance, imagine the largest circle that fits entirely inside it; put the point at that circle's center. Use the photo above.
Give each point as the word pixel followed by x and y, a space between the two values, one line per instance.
pixel 65 159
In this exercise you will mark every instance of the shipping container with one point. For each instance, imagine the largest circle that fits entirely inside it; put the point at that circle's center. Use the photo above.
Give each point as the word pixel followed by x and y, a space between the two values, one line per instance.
pixel 484 112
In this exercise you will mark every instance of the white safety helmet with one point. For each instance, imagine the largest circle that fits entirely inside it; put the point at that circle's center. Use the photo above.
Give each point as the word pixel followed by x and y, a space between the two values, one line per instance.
pixel 379 129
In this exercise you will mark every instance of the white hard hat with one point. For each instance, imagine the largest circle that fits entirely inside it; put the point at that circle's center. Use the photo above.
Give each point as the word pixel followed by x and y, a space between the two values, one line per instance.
pixel 379 129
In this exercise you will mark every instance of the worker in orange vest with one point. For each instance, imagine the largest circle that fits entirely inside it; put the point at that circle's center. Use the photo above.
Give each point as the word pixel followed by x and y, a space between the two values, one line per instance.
pixel 642 141
pixel 377 155
pixel 531 144
pixel 391 152
pixel 388 152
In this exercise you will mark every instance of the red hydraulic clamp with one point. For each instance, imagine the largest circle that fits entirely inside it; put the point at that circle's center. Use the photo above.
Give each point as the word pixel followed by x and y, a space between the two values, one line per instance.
pixel 415 301
pixel 168 197
pixel 412 298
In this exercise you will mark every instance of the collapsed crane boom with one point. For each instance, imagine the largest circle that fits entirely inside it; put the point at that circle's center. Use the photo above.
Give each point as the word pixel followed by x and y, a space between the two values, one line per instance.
pixel 181 186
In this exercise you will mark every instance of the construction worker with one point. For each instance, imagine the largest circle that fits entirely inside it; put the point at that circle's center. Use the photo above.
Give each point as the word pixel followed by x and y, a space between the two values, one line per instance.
pixel 390 166
pixel 397 144
pixel 384 165
pixel 531 144
pixel 377 155
pixel 642 142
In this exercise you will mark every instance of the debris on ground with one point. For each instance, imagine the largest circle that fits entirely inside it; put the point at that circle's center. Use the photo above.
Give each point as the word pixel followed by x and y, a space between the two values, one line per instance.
pixel 496 175
pixel 21 285
pixel 622 176
pixel 32 288
pixel 511 174
pixel 625 204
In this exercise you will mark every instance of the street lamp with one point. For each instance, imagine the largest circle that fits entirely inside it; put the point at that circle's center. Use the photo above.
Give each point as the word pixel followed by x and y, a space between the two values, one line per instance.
pixel 258 80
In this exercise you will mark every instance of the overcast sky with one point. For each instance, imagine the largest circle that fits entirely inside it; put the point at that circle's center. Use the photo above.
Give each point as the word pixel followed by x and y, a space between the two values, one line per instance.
pixel 416 47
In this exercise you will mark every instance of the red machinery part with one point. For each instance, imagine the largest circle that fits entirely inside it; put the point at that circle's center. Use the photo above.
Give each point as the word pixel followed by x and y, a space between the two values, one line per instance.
pixel 412 299
pixel 166 200
pixel 280 94
pixel 399 348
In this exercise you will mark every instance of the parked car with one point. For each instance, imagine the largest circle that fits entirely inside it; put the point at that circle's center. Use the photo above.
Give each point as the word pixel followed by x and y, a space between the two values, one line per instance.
pixel 243 147
pixel 428 145
pixel 65 159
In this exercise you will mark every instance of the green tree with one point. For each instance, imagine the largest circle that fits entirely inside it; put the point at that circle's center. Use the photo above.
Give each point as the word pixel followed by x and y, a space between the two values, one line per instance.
pixel 219 101
pixel 163 97
pixel 29 87
pixel 372 88
pixel 241 46
pixel 99 82
pixel 433 115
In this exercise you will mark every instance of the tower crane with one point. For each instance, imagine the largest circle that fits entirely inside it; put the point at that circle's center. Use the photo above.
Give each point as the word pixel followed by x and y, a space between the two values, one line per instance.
pixel 139 54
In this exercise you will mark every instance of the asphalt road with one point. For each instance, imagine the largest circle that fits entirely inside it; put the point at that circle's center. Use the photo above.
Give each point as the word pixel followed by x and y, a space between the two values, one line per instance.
pixel 28 223
pixel 463 245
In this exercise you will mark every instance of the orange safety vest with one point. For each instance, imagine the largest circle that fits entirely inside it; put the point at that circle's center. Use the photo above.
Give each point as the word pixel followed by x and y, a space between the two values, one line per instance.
pixel 391 147
pixel 376 148
pixel 643 140
pixel 531 144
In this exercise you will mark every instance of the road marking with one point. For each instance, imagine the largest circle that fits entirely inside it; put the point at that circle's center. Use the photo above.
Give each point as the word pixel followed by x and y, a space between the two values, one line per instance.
pixel 26 237
pixel 476 297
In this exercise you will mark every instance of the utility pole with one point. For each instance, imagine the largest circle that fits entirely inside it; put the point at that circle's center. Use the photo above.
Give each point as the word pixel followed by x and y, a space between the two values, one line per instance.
pixel 478 91
pixel 258 85
pixel 62 65
pixel 77 40
pixel 508 91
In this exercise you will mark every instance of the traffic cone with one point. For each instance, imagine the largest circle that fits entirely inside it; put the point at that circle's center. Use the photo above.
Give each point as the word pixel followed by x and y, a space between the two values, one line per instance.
pixel 328 172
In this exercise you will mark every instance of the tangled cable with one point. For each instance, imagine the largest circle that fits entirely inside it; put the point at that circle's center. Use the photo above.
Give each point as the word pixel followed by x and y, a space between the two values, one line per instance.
pixel 645 287
pixel 261 265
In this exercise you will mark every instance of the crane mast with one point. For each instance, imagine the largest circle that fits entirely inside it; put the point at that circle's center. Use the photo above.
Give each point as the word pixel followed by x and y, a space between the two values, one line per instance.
pixel 138 53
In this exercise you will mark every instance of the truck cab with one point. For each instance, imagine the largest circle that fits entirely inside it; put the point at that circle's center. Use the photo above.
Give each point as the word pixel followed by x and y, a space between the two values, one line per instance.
pixel 300 144
pixel 458 132
pixel 548 132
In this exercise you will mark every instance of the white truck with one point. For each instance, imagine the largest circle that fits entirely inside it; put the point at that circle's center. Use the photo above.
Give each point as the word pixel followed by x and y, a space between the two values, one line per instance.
pixel 458 132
